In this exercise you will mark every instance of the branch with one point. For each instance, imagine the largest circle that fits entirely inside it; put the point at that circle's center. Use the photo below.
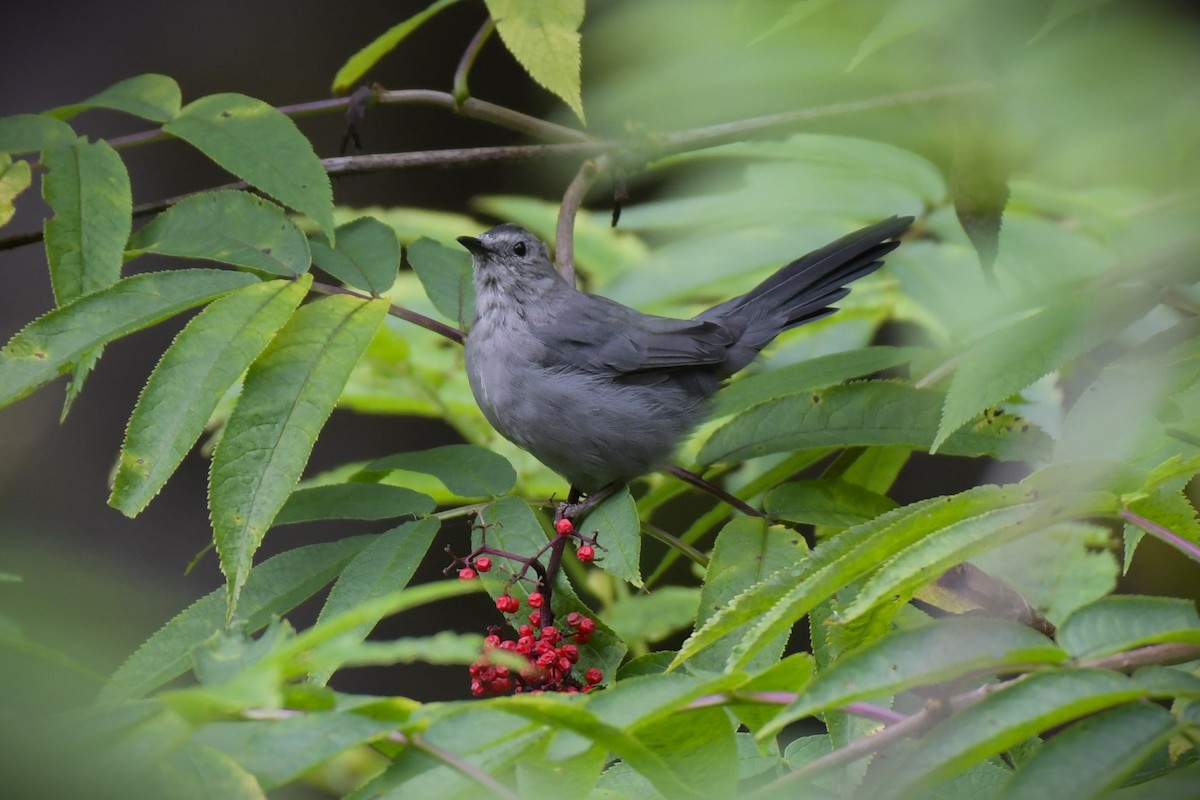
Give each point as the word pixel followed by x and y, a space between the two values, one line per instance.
pixel 461 93
pixel 564 239
pixel 453 334
pixel 1166 534
pixel 688 476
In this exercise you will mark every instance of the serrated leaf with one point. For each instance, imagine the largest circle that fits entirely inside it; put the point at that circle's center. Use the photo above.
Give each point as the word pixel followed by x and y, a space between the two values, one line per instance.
pixel 206 358
pixel 941 651
pixel 826 501
pixel 1011 358
pixel 367 255
pixel 261 146
pixel 364 59
pixel 921 562
pixel 15 178
pixel 370 501
pixel 274 587
pixel 1092 755
pixel 1000 721
pixel 198 772
pixel 814 373
pixel 150 96
pixel 88 189
pixel 53 343
pixel 864 414
pixel 1117 623
pixel 287 395
pixel 232 227
pixel 465 469
pixel 446 276
pixel 1172 509
pixel 746 552
pixel 384 566
pixel 544 37
pixel 24 133
pixel 771 606
pixel 615 525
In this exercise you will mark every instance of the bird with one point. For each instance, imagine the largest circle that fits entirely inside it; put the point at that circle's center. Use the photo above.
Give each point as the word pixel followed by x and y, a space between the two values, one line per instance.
pixel 601 393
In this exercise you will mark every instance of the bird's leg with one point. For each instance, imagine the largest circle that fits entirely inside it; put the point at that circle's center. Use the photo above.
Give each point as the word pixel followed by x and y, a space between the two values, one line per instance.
pixel 575 510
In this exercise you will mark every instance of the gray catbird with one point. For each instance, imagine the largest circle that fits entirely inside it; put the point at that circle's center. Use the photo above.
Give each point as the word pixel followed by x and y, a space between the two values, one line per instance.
pixel 601 393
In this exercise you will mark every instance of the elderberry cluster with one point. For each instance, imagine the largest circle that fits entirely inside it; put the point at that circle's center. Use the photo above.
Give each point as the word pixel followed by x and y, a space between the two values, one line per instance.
pixel 551 657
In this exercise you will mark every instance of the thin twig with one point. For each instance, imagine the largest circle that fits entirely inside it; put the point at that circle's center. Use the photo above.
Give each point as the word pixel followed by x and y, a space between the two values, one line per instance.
pixel 453 334
pixel 1167 535
pixel 564 237
pixel 485 112
pixel 675 543
pixel 461 92
pixel 695 480
pixel 1155 654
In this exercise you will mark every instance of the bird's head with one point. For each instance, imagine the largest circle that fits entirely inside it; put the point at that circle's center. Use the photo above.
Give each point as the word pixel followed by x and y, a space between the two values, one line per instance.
pixel 512 260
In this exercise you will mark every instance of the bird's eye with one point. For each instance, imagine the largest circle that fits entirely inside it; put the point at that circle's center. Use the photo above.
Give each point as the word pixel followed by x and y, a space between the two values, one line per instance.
pixel 519 249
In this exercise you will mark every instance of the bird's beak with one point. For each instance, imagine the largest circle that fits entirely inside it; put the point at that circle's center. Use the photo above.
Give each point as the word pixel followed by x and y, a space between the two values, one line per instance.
pixel 476 247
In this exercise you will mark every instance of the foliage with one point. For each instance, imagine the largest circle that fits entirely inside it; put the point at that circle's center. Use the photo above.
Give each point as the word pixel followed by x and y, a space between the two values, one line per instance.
pixel 1073 357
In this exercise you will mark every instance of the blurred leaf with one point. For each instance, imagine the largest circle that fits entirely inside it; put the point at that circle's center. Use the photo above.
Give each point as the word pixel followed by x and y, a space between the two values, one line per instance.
pixel 1172 509
pixel 441 648
pixel 23 133
pixel 15 178
pixel 358 64
pixel 903 18
pixel 979 188
pixel 654 616
pixel 53 343
pixel 815 373
pixel 1118 623
pixel 288 393
pixel 371 501
pixel 702 752
pixel 446 275
pixel 198 772
pixel 796 13
pixel 1063 10
pixel 544 38
pixel 367 255
pixel 791 674
pixel 231 227
pixel 826 501
pixel 615 525
pixel 941 651
pixel 862 414
pixel 274 587
pixel 465 469
pixel 206 358
pixel 150 96
pixel 746 552
pixel 385 565
pixel 261 146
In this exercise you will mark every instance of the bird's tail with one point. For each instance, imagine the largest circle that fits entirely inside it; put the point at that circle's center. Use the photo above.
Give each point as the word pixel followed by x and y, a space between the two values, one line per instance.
pixel 805 289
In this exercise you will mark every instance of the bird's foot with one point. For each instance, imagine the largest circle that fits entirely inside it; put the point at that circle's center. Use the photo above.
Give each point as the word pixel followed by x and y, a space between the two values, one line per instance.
pixel 574 509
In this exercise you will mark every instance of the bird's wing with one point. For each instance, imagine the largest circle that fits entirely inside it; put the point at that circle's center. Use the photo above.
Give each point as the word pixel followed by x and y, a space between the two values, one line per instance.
pixel 599 335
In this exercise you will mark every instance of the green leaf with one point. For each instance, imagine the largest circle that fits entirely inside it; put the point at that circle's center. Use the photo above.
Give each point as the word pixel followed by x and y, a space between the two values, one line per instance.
pixel 370 501
pixel 941 651
pixel 198 772
pixel 1092 755
pixel 53 343
pixel 1124 622
pixel 206 358
pixel 702 752
pixel 446 275
pixel 367 255
pixel 384 566
pixel 902 19
pixel 1171 508
pixel 358 64
pixel 465 469
pixel 544 37
pixel 261 146
pixel 1000 721
pixel 863 414
pixel 231 227
pixel 288 394
pixel 914 565
pixel 150 96
pixel 653 616
pixel 615 525
pixel 814 373
pixel 791 674
pixel 24 133
pixel 441 648
pixel 15 178
pixel 746 552
pixel 280 751
pixel 771 606
pixel 274 587
pixel 1063 10
pixel 1011 358
pixel 826 501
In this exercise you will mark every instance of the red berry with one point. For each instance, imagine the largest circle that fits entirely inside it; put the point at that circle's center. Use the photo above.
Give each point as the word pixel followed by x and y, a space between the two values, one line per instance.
pixel 478 689
pixel 535 618
pixel 507 604
pixel 581 638
pixel 564 527
pixel 483 563
pixel 535 600
pixel 586 553
pixel 569 652
pixel 466 574
pixel 550 634
pixel 573 618
pixel 525 630
pixel 586 625
pixel 593 676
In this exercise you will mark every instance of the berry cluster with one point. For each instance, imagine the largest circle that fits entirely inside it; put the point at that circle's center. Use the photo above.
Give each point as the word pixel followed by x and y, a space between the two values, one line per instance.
pixel 551 657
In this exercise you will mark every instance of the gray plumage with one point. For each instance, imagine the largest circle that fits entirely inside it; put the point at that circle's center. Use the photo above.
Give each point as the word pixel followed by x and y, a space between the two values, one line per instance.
pixel 601 393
